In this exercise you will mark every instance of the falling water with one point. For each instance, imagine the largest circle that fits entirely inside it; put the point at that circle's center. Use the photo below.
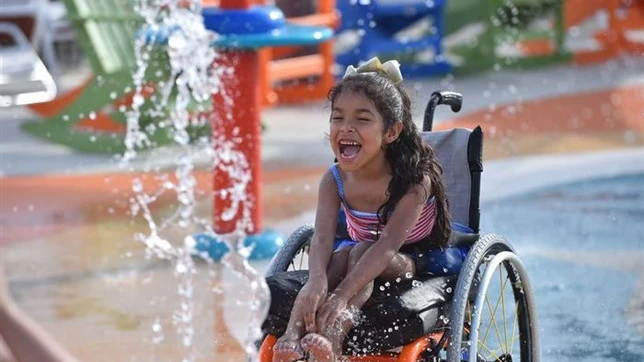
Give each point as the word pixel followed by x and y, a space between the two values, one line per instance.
pixel 192 79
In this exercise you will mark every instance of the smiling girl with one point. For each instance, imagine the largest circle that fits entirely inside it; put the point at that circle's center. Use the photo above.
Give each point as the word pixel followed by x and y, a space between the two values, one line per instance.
pixel 388 183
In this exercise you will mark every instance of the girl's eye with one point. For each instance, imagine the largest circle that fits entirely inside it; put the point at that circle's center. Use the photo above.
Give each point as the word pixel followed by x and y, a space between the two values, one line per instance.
pixel 336 119
pixel 364 120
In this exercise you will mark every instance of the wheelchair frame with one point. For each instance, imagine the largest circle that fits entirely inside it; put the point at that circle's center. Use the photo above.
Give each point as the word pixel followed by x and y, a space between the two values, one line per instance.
pixel 489 253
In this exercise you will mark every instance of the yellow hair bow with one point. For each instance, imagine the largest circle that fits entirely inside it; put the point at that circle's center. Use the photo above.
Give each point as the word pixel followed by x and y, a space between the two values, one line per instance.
pixel 390 68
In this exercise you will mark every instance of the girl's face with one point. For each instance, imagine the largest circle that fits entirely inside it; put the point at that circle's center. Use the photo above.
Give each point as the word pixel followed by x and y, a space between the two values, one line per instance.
pixel 357 131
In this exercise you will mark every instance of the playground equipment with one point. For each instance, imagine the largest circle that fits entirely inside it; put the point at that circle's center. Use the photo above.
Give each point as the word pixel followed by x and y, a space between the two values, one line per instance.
pixel 490 305
pixel 287 74
pixel 509 33
pixel 406 30
pixel 295 73
pixel 537 42
pixel 620 29
pixel 244 29
pixel 87 117
pixel 514 33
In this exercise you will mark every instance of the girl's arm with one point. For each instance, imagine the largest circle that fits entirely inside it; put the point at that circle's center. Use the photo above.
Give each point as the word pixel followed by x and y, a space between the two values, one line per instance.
pixel 375 260
pixel 326 221
pixel 315 291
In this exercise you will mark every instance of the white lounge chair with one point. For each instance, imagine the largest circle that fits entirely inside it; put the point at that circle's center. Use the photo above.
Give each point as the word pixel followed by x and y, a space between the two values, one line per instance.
pixel 24 79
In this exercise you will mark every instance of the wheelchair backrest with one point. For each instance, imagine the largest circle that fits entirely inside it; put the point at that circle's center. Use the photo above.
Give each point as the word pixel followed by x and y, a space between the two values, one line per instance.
pixel 460 152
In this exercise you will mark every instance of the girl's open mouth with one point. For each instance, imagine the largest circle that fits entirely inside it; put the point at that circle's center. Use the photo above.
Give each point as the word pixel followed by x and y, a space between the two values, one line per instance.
pixel 349 149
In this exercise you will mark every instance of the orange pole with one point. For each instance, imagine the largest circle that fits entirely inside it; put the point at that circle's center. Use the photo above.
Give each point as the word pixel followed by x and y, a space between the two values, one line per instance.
pixel 242 92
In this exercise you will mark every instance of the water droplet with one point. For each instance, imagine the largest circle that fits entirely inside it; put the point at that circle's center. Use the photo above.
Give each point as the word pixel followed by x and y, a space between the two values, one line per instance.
pixel 137 100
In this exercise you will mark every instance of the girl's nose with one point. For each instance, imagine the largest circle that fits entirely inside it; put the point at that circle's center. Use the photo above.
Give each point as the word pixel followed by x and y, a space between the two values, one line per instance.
pixel 347 126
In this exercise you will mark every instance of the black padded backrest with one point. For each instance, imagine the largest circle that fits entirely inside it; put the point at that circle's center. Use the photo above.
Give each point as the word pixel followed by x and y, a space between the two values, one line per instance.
pixel 460 152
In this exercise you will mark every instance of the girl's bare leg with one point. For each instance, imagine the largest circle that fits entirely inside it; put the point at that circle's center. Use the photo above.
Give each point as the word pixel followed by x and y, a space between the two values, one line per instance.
pixel 327 347
pixel 288 346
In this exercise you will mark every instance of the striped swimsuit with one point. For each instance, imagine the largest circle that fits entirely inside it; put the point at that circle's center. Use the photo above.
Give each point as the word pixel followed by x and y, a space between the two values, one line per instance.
pixel 365 226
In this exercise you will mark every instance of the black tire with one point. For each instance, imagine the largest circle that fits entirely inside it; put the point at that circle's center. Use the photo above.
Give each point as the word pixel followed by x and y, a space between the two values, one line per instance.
pixel 296 244
pixel 492 253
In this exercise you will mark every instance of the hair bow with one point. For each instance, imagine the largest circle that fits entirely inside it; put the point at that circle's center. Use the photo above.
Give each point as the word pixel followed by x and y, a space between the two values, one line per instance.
pixel 390 68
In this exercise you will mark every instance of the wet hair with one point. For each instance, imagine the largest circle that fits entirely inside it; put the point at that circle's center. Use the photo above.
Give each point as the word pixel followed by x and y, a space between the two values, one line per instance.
pixel 409 158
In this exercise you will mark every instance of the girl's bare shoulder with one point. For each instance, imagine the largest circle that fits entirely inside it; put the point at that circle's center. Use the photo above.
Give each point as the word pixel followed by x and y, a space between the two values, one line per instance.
pixel 422 190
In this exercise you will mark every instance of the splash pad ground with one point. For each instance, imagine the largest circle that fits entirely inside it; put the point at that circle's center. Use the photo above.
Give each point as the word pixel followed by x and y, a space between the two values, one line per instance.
pixel 66 239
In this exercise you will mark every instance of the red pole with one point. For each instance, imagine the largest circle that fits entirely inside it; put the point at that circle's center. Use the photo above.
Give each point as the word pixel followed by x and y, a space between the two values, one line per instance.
pixel 235 4
pixel 242 91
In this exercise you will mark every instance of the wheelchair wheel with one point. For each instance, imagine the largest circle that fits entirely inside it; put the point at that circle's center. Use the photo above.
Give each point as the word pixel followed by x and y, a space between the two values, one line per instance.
pixel 493 316
pixel 294 254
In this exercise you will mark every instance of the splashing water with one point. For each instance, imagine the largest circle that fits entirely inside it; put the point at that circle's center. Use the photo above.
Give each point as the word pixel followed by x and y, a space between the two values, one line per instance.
pixel 192 80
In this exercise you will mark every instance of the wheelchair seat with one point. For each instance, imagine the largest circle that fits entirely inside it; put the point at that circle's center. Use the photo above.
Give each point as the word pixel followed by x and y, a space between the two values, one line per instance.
pixel 396 313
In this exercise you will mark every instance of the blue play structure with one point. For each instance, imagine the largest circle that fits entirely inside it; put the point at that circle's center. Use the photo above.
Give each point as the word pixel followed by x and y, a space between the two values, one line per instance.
pixel 379 23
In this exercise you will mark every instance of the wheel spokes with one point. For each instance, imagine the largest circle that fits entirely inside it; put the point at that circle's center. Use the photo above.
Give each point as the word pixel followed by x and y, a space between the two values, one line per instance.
pixel 506 342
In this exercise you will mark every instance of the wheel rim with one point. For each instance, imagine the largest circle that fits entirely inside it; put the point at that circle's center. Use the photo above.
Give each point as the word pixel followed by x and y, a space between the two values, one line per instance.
pixel 300 260
pixel 497 325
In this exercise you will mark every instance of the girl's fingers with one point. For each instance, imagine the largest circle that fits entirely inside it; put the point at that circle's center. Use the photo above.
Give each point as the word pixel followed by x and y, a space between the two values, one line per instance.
pixel 322 317
pixel 309 316
pixel 325 316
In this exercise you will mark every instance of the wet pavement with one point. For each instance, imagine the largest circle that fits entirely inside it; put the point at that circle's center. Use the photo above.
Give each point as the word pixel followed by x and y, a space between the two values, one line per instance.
pixel 583 245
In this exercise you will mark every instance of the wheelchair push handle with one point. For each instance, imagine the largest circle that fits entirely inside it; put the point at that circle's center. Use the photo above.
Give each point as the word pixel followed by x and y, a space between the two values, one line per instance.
pixel 452 99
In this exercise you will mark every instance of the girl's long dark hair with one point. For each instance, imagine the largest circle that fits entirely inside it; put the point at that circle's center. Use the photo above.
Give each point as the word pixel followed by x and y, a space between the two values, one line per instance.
pixel 409 157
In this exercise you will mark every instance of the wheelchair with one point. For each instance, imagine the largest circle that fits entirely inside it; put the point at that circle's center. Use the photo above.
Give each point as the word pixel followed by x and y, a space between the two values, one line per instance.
pixel 482 312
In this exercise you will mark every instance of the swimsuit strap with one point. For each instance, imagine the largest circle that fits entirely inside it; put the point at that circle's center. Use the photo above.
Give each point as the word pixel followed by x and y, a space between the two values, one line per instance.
pixel 338 180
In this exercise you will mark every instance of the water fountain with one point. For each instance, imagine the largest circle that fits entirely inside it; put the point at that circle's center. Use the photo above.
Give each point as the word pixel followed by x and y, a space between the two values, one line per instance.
pixel 228 78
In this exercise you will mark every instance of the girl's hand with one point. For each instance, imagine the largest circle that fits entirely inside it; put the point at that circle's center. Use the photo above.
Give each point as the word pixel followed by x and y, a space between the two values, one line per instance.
pixel 313 294
pixel 330 311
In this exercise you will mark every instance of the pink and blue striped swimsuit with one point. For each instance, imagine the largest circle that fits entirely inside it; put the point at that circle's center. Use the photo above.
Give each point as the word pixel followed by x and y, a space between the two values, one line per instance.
pixel 365 226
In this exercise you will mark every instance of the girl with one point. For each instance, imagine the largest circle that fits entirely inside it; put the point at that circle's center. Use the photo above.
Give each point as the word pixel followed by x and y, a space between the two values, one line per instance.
pixel 388 182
